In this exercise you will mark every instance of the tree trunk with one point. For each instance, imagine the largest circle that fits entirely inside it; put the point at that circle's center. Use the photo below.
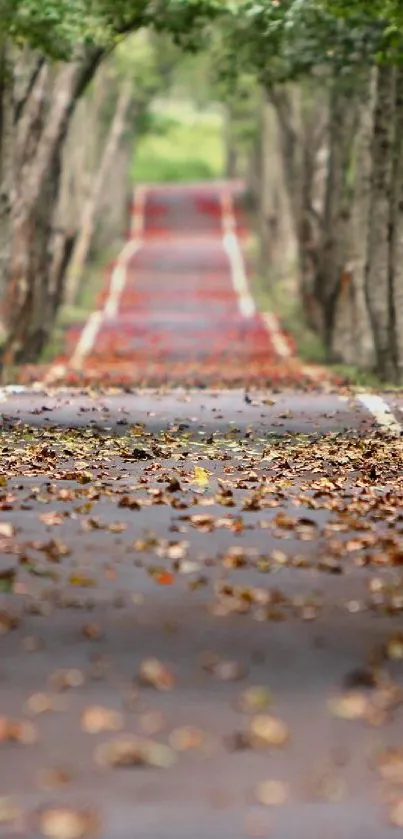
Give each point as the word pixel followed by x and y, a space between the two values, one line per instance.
pixel 37 250
pixel 301 125
pixel 277 242
pixel 357 347
pixel 116 201
pixel 88 217
pixel 332 284
pixel 231 161
pixel 396 238
pixel 377 278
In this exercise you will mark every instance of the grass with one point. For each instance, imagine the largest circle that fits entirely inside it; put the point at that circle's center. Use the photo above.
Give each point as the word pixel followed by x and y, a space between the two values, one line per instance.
pixel 185 145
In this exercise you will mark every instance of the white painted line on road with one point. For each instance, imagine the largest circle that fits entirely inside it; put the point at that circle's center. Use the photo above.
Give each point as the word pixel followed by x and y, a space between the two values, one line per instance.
pixel 118 279
pixel 280 344
pixel 91 329
pixel 86 340
pixel 381 412
pixel 12 390
pixel 232 248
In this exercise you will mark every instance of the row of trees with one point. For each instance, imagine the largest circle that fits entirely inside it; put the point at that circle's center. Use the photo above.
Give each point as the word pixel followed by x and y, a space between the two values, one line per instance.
pixel 321 82
pixel 331 163
pixel 51 53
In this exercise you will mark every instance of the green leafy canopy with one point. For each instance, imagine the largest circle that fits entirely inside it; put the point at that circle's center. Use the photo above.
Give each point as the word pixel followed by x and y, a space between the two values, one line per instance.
pixel 57 27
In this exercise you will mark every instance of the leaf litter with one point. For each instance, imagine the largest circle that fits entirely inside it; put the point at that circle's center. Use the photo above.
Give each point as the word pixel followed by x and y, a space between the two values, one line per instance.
pixel 327 507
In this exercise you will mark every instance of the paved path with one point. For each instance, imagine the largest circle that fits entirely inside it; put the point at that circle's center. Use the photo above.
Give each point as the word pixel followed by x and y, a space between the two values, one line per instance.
pixel 177 306
pixel 240 545
pixel 201 590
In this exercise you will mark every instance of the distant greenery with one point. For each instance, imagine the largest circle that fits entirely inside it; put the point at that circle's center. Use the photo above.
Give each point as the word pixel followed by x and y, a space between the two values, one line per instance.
pixel 180 145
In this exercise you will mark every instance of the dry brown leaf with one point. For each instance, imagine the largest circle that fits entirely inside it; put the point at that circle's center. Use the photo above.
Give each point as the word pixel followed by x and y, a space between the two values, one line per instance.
pixel 7 529
pixel 349 706
pixel 187 738
pixel 41 703
pixel 394 647
pixel 81 580
pixel 267 730
pixel 54 777
pixel 225 670
pixel 51 518
pixel 65 823
pixel 389 763
pixel 134 751
pixel 69 678
pixel 7 622
pixel 255 699
pixel 17 731
pixel 92 631
pixel 10 810
pixel 271 793
pixel 96 719
pixel 156 674
pixel 396 813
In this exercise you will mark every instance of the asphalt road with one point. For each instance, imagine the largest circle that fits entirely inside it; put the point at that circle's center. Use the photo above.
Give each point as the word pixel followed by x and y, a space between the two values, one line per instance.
pixel 292 584
pixel 201 588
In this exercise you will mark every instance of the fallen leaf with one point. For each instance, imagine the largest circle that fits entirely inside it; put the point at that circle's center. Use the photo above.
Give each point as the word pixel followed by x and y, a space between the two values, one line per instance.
pixel 394 647
pixel 396 813
pixel 255 699
pixel 10 810
pixel 65 823
pixel 266 730
pixel 164 578
pixel 134 751
pixel 349 706
pixel 8 622
pixel 389 764
pixel 81 580
pixel 7 530
pixel 225 670
pixel 271 793
pixel 155 674
pixel 96 719
pixel 65 679
pixel 187 738
pixel 54 777
pixel 17 731
pixel 200 476
pixel 52 518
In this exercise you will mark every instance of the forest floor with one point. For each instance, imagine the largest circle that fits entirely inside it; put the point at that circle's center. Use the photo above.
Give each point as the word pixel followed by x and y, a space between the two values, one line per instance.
pixel 201 554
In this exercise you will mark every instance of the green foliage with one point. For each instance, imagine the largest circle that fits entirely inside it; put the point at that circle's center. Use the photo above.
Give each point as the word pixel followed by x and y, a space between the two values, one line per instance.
pixel 180 146
pixel 287 40
pixel 59 27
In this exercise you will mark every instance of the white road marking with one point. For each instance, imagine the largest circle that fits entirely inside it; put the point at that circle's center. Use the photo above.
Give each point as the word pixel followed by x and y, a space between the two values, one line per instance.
pixel 280 344
pixel 95 320
pixel 13 390
pixel 381 412
pixel 119 277
pixel 232 248
pixel 86 340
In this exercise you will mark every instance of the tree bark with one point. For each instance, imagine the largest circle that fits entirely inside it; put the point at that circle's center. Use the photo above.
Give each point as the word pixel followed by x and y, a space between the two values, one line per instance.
pixel 38 250
pixel 377 277
pixel 277 241
pixel 301 126
pixel 88 217
pixel 396 238
pixel 332 281
pixel 352 311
